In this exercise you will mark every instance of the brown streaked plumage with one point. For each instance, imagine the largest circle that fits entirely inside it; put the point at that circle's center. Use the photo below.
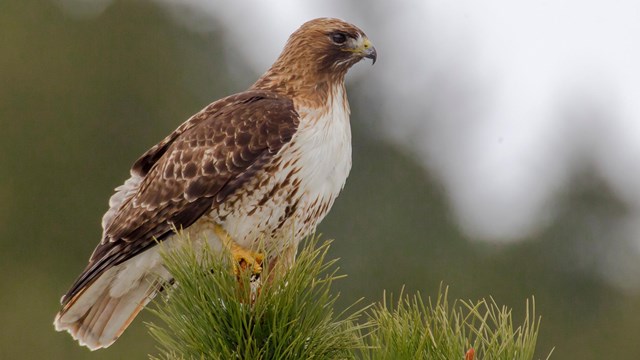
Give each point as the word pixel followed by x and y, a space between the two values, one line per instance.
pixel 263 165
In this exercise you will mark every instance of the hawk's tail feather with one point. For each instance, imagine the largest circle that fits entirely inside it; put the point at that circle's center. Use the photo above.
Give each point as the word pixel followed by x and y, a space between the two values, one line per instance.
pixel 96 318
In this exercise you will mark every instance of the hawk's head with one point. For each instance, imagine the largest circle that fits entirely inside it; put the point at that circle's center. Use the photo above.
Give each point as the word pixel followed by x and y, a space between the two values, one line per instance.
pixel 330 44
pixel 316 57
pixel 324 46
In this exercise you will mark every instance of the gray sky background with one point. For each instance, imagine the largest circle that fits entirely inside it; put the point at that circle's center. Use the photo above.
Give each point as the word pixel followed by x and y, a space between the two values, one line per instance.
pixel 506 101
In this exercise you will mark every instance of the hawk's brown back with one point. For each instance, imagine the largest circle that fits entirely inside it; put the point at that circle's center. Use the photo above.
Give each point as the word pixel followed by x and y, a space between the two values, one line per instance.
pixel 191 171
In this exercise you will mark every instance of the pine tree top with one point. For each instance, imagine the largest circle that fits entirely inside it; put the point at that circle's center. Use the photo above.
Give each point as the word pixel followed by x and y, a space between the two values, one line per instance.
pixel 209 313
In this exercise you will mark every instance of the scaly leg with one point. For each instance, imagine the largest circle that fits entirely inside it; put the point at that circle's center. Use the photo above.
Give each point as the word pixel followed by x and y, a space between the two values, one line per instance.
pixel 243 258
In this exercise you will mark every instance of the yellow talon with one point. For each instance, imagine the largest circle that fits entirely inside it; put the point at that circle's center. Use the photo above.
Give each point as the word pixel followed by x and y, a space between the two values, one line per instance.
pixel 243 258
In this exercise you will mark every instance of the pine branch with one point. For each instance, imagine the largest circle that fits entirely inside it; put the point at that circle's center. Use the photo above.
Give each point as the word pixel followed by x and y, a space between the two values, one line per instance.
pixel 413 329
pixel 209 314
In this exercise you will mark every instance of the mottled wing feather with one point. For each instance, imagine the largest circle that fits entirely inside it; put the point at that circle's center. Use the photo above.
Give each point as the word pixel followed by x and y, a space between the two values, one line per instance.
pixel 191 171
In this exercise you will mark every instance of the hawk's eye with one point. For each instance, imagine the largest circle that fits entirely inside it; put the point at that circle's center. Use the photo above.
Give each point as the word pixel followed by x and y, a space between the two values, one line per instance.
pixel 338 38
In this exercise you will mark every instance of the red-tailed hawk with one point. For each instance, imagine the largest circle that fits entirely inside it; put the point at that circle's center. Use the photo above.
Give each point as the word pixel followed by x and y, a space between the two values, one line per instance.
pixel 264 165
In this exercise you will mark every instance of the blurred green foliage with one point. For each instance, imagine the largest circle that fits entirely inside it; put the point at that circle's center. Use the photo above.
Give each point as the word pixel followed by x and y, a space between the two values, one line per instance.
pixel 81 99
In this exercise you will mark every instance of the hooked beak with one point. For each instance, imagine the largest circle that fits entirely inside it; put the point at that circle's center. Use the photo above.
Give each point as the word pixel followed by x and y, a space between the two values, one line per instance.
pixel 368 51
pixel 363 48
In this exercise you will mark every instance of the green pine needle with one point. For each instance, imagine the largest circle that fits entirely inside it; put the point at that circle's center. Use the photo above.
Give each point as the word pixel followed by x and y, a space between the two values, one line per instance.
pixel 413 329
pixel 207 313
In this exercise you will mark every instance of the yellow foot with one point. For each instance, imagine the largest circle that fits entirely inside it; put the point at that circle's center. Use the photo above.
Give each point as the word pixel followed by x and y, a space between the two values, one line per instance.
pixel 246 259
pixel 243 258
